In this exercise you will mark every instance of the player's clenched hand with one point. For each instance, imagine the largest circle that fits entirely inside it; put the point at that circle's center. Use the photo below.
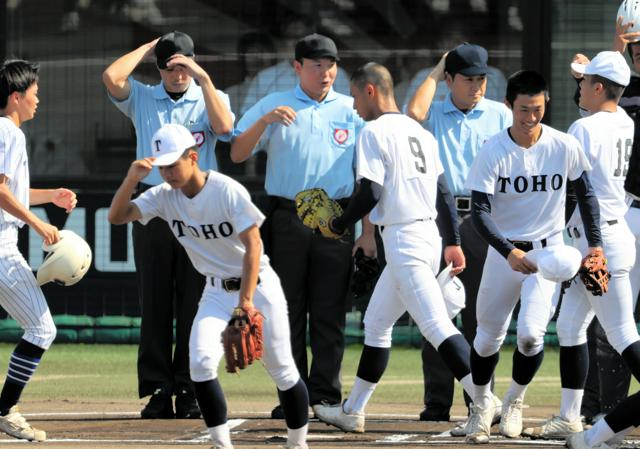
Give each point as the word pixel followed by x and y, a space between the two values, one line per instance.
pixel 622 37
pixel 64 199
pixel 518 262
pixel 282 114
pixel 579 58
pixel 453 254
pixel 48 232
pixel 140 168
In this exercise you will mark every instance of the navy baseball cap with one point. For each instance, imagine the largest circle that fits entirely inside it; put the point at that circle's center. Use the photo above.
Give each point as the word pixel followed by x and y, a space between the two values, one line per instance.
pixel 467 59
pixel 170 44
pixel 316 46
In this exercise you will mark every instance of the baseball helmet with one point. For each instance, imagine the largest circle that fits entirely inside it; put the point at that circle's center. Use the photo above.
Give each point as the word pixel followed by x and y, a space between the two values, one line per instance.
pixel 452 291
pixel 67 262
pixel 630 12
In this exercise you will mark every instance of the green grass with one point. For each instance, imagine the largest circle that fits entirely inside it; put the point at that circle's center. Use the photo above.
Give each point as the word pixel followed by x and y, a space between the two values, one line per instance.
pixel 108 372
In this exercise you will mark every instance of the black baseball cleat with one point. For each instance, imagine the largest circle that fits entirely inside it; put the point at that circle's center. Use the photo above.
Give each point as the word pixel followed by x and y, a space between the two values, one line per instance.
pixel 159 406
pixel 186 405
pixel 433 414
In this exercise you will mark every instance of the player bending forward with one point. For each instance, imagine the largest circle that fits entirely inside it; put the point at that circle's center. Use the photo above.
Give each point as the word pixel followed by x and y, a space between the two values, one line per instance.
pixel 606 135
pixel 401 182
pixel 213 217
pixel 518 183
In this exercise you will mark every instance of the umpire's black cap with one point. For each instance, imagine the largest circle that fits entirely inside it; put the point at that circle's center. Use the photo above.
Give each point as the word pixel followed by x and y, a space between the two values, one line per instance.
pixel 170 44
pixel 467 59
pixel 316 46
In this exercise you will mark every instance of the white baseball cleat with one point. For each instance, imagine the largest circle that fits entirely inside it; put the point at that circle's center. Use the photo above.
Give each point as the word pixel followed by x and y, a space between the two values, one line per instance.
pixel 14 424
pixel 576 441
pixel 295 446
pixel 555 428
pixel 511 419
pixel 462 429
pixel 479 427
pixel 221 447
pixel 336 416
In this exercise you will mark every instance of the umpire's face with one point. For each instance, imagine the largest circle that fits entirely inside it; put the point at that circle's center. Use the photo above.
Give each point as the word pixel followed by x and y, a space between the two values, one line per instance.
pixel 316 76
pixel 466 91
pixel 175 78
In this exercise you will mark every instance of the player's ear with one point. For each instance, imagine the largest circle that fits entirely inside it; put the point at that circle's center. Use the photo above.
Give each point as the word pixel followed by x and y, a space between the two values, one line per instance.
pixel 370 89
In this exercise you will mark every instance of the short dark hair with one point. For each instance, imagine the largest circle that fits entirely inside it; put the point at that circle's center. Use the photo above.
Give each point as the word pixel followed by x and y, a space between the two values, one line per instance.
pixel 376 74
pixel 16 75
pixel 612 90
pixel 526 82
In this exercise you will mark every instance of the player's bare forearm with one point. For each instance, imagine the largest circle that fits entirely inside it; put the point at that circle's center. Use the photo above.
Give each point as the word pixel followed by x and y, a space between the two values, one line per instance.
pixel 10 204
pixel 250 238
pixel 217 110
pixel 122 210
pixel 115 76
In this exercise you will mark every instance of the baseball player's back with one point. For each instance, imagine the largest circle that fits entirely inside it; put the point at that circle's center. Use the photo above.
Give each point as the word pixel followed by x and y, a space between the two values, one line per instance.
pixel 398 154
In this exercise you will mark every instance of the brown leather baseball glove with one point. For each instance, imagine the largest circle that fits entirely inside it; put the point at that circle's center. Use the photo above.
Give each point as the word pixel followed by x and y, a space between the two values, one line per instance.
pixel 242 338
pixel 594 273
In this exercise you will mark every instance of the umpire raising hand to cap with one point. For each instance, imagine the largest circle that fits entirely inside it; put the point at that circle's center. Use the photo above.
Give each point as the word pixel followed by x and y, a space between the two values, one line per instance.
pixel 186 96
pixel 309 135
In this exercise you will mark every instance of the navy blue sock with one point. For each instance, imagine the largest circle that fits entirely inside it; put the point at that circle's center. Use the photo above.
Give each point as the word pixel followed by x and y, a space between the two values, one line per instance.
pixel 524 368
pixel 211 402
pixel 373 362
pixel 631 356
pixel 23 363
pixel 455 352
pixel 295 405
pixel 482 368
pixel 574 366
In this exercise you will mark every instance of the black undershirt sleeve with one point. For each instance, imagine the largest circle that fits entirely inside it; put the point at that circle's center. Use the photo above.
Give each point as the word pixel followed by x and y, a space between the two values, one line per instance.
pixel 360 204
pixel 589 208
pixel 448 216
pixel 484 224
pixel 571 202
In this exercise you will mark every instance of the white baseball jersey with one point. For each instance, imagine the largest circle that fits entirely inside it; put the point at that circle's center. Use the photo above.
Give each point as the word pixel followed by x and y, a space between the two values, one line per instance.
pixel 607 139
pixel 398 154
pixel 14 165
pixel 528 186
pixel 208 224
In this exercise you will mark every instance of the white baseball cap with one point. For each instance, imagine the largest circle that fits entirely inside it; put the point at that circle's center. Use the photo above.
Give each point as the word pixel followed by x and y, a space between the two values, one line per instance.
pixel 452 291
pixel 608 64
pixel 169 143
pixel 556 263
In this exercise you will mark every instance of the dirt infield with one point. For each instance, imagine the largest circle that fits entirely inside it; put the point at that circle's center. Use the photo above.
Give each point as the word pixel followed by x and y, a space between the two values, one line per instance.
pixel 84 425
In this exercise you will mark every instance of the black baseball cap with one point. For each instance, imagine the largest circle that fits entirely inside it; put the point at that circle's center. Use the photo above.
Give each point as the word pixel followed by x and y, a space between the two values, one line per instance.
pixel 467 59
pixel 170 44
pixel 316 46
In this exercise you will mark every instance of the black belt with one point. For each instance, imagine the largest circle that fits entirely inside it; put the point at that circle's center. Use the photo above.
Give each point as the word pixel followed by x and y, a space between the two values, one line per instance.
pixel 285 203
pixel 463 203
pixel 575 233
pixel 229 284
pixel 635 203
pixel 526 246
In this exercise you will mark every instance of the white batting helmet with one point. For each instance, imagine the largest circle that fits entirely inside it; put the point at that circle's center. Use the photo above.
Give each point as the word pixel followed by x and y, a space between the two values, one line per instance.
pixel 67 262
pixel 630 12
pixel 452 291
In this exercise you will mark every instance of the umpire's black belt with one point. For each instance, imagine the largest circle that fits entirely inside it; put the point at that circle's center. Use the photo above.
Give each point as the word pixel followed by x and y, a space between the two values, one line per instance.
pixel 463 203
pixel 229 284
pixel 526 246
pixel 285 203
pixel 574 232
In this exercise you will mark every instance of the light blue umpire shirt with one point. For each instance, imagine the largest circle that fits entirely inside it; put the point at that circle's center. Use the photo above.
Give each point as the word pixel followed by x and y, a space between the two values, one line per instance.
pixel 316 150
pixel 461 135
pixel 150 107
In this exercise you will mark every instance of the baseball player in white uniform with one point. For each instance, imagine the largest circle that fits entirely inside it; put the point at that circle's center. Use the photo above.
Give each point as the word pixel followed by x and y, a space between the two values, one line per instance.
pixel 518 183
pixel 402 185
pixel 20 294
pixel 606 134
pixel 213 217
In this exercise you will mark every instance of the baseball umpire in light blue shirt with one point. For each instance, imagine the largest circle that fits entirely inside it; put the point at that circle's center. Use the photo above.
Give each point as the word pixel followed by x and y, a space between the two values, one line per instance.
pixel 461 124
pixel 309 135
pixel 164 272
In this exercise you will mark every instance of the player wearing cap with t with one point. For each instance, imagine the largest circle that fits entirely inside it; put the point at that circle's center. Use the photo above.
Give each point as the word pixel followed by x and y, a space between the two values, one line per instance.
pixel 163 270
pixel 518 184
pixel 461 124
pixel 309 135
pixel 605 134
pixel 213 218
